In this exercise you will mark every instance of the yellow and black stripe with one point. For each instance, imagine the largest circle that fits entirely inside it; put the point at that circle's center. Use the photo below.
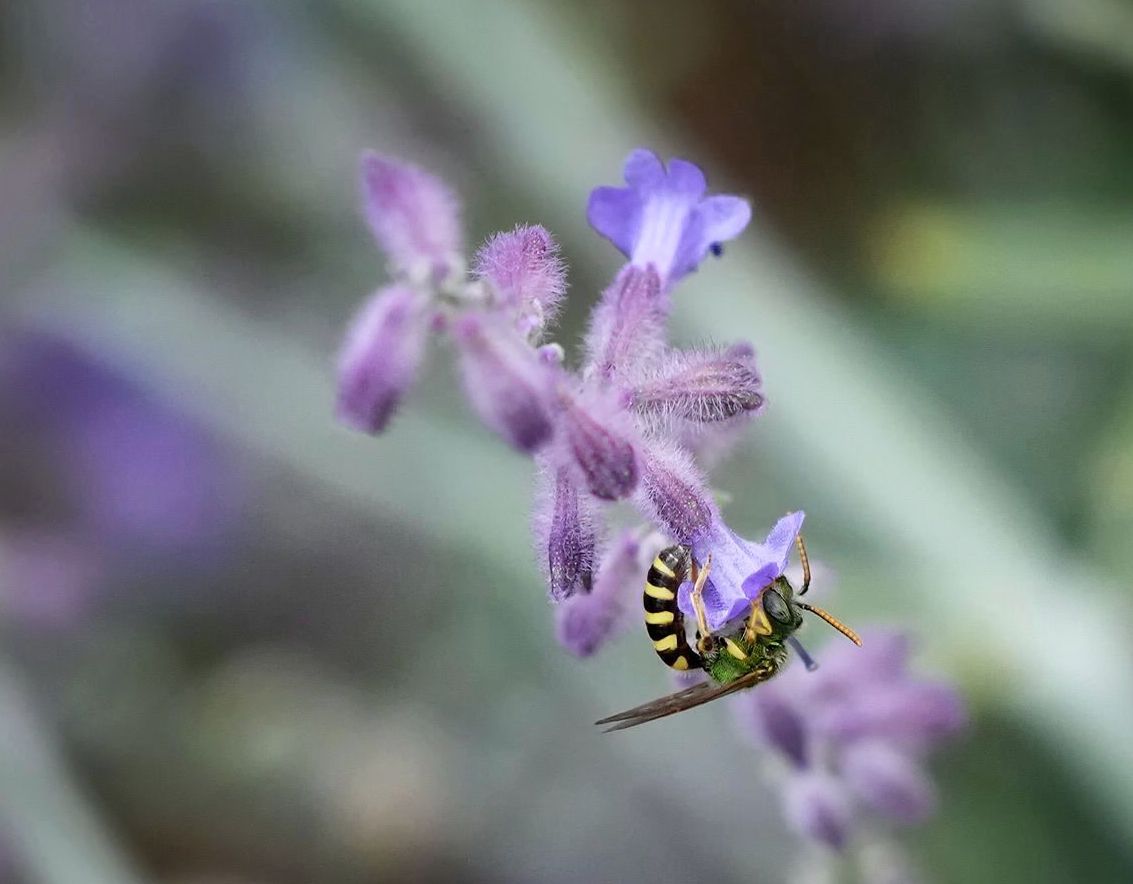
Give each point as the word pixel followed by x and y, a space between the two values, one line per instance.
pixel 663 619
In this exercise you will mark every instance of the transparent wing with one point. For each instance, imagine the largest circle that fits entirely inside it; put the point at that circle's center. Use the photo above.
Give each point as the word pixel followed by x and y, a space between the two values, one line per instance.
pixel 689 698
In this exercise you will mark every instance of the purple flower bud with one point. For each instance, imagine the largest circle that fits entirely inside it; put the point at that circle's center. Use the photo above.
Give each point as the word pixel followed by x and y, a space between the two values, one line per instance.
pixel 889 781
pixel 381 356
pixel 627 326
pixel 662 219
pixel 526 273
pixel 564 528
pixel 700 386
pixel 672 494
pixel 600 441
pixel 585 621
pixel 505 380
pixel 817 807
pixel 414 216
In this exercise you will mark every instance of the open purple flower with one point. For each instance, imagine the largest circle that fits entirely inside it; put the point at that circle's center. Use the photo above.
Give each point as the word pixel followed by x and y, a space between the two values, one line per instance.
pixel 741 569
pixel 662 218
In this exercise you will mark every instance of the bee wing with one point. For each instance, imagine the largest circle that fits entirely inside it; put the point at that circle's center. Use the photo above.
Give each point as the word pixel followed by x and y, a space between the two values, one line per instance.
pixel 689 698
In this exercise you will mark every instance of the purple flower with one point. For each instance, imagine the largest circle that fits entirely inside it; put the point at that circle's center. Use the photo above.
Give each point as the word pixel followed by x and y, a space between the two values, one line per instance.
pixel 381 356
pixel 564 529
pixel 627 325
pixel 699 386
pixel 504 379
pixel 585 621
pixel 414 217
pixel 600 442
pixel 673 496
pixel 662 219
pixel 865 721
pixel 741 569
pixel 526 274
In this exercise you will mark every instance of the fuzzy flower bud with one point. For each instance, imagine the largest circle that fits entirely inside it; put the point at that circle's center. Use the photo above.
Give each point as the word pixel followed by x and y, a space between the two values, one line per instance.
pixel 699 386
pixel 564 530
pixel 506 381
pixel 585 621
pixel 380 357
pixel 672 495
pixel 627 326
pixel 414 217
pixel 600 443
pixel 526 274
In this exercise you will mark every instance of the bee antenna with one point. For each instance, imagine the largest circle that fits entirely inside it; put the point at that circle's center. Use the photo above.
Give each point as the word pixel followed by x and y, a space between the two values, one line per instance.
pixel 807 659
pixel 833 621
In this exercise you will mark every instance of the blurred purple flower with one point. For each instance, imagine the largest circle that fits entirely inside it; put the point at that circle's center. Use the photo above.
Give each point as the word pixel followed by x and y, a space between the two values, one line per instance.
pixel 662 219
pixel 897 719
pixel 380 357
pixel 414 217
pixel 129 475
pixel 46 578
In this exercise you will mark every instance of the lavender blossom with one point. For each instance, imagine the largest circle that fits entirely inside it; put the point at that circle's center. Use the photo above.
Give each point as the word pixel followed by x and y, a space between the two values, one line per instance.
pixel 506 382
pixel 698 386
pixel 381 357
pixel 662 218
pixel 627 325
pixel 526 274
pixel 817 806
pixel 564 529
pixel 584 622
pixel 601 443
pixel 414 217
pixel 878 764
pixel 673 495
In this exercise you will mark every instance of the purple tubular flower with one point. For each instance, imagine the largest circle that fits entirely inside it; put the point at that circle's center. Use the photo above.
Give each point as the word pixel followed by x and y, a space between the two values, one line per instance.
pixel 889 781
pixel 673 496
pixel 601 444
pixel 381 356
pixel 817 807
pixel 526 273
pixel 564 528
pixel 505 380
pixel 627 326
pixel 699 386
pixel 414 217
pixel 585 621
pixel 740 569
pixel 662 218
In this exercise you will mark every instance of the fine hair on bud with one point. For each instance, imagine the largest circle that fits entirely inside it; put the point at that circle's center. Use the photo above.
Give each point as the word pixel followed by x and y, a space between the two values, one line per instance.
pixel 600 441
pixel 673 495
pixel 565 528
pixel 526 273
pixel 702 386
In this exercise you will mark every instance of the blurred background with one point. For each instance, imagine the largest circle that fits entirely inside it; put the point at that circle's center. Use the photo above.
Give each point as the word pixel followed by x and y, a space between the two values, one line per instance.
pixel 241 644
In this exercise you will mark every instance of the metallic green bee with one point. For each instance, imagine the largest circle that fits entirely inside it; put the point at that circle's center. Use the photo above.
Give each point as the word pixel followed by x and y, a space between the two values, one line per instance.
pixel 751 655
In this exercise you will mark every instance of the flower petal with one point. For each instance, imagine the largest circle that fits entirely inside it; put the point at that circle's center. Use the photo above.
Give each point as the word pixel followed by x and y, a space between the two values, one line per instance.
pixel 615 212
pixel 643 169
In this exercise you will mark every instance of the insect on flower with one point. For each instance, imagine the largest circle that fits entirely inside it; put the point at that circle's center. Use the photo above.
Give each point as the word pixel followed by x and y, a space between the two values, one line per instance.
pixel 750 655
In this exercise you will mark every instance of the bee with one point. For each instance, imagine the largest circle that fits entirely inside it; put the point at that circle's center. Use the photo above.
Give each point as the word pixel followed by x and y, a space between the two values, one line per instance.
pixel 751 655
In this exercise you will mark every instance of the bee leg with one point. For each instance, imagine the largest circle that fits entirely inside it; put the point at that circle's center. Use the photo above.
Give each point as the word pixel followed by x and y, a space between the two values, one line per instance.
pixel 804 560
pixel 704 641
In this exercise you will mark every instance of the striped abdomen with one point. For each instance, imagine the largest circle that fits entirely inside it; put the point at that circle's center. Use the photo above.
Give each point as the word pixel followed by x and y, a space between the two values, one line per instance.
pixel 663 619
